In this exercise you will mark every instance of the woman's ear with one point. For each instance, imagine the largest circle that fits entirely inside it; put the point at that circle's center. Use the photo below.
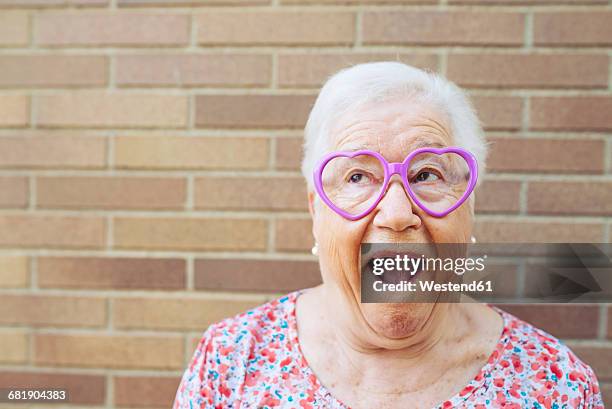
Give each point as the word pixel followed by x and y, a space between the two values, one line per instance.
pixel 311 209
pixel 311 204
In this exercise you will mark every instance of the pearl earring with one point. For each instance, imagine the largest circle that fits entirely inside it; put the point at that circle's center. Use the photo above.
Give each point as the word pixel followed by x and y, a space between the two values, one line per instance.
pixel 315 249
pixel 473 239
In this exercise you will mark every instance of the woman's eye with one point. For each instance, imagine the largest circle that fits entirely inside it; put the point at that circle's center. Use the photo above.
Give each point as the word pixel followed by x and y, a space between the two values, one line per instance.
pixel 357 177
pixel 426 177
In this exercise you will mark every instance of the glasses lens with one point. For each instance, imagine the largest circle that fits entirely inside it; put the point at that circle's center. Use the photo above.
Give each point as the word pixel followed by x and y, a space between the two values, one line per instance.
pixel 438 181
pixel 353 184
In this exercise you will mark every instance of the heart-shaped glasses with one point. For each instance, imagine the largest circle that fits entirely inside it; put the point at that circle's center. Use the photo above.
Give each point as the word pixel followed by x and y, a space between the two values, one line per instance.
pixel 437 180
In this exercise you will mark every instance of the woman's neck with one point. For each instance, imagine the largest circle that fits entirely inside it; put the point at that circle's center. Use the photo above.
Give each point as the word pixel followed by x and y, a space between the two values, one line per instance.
pixel 372 359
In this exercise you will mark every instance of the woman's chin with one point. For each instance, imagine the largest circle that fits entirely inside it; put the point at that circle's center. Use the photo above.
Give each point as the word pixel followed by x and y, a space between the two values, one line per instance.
pixel 396 320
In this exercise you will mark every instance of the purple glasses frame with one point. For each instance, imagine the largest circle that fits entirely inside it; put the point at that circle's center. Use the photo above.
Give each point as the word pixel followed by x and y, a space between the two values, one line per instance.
pixel 400 168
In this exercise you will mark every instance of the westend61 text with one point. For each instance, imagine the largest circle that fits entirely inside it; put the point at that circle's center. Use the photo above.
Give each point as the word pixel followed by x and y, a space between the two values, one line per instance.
pixel 432 286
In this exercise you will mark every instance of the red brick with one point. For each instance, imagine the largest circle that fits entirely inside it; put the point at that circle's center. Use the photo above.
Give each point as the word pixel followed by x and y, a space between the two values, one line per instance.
pixel 176 314
pixel 545 155
pixel 14 191
pixel 610 317
pixel 14 271
pixel 144 152
pixel 562 321
pixel 112 29
pixel 580 113
pixel 52 151
pixel 294 235
pixel 311 70
pixel 255 193
pixel 52 311
pixel 571 198
pixel 112 110
pixel 52 3
pixel 253 111
pixel 181 70
pixel 499 113
pixel 572 28
pixel 255 275
pixel 606 391
pixel 53 70
pixel 14 111
pixel 83 389
pixel 83 192
pixel 529 70
pixel 498 196
pixel 14 29
pixel 276 28
pixel 14 347
pixel 343 2
pixel 50 231
pixel 145 391
pixel 443 28
pixel 112 273
pixel 190 3
pixel 289 153
pixel 190 233
pixel 534 2
pixel 111 351
pixel 536 231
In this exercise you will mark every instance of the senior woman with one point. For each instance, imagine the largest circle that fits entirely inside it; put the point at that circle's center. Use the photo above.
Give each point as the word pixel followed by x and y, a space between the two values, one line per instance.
pixel 322 347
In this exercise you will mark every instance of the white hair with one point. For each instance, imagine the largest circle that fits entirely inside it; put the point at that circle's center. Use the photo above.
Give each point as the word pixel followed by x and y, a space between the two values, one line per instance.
pixel 353 87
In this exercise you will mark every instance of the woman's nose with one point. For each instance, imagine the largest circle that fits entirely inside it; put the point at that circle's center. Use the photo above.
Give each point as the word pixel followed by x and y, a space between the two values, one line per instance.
pixel 395 211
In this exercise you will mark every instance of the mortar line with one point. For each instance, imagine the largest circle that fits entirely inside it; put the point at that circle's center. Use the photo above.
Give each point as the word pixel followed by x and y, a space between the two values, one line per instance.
pixel 603 321
pixel 190 272
pixel 523 198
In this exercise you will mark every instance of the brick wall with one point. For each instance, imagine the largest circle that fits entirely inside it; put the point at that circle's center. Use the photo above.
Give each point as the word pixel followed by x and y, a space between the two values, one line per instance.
pixel 149 154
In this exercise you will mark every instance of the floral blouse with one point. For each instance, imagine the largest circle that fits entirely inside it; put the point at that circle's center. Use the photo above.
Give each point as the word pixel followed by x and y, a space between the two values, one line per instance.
pixel 254 360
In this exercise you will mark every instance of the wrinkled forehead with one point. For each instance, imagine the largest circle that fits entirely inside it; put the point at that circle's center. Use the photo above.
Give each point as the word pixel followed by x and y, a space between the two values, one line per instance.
pixel 393 128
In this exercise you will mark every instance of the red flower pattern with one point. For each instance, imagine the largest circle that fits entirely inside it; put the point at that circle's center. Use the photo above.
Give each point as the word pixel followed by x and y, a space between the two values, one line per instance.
pixel 254 360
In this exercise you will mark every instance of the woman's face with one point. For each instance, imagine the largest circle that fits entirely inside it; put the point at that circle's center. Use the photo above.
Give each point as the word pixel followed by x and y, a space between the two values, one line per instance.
pixel 394 129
